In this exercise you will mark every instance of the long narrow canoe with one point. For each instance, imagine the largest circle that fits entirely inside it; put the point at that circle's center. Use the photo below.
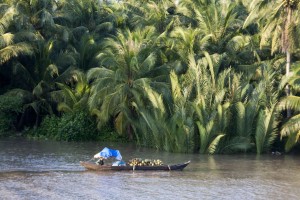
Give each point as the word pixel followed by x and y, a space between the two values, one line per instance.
pixel 95 167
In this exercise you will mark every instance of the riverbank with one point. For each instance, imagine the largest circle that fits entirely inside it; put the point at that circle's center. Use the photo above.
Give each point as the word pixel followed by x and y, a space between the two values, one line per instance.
pixel 32 134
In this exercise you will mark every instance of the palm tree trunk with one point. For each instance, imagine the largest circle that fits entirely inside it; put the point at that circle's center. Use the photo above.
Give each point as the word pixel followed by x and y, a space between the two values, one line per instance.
pixel 287 73
pixel 288 55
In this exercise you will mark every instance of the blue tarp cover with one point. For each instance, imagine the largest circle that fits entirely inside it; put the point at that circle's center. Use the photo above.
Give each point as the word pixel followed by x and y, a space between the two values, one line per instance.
pixel 107 153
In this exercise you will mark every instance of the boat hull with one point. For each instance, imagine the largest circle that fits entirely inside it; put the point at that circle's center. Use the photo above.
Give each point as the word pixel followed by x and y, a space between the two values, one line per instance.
pixel 95 167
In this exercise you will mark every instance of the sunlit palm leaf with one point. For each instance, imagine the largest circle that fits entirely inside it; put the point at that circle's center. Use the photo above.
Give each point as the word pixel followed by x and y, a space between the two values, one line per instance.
pixel 63 107
pixel 291 126
pixel 214 144
pixel 289 102
pixel 6 18
pixel 15 50
pixel 292 140
pixel 266 128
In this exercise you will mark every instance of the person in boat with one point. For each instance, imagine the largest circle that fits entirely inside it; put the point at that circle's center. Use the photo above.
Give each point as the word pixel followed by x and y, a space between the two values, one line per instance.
pixel 100 161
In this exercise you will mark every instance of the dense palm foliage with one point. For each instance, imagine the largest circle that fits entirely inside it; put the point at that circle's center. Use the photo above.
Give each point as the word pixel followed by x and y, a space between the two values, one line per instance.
pixel 183 76
pixel 290 127
pixel 280 29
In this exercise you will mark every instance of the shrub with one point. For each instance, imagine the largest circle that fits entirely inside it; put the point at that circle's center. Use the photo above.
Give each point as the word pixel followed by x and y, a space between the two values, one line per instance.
pixel 74 126
pixel 10 107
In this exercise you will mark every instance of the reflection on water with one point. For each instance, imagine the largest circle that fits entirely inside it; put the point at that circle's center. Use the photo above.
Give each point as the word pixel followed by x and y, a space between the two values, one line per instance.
pixel 51 170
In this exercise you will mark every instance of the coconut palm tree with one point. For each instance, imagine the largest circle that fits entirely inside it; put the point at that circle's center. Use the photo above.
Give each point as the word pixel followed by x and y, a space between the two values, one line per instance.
pixel 217 19
pixel 187 41
pixel 12 42
pixel 35 81
pixel 79 13
pixel 85 50
pixel 128 64
pixel 169 124
pixel 152 13
pixel 26 56
pixel 217 27
pixel 253 113
pixel 36 15
pixel 280 25
pixel 227 108
pixel 74 96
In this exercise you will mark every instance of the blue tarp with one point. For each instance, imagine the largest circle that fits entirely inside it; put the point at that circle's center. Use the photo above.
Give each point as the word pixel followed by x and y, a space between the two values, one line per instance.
pixel 107 153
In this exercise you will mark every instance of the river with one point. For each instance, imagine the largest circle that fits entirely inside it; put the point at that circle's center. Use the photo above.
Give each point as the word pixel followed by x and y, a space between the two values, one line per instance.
pixel 51 170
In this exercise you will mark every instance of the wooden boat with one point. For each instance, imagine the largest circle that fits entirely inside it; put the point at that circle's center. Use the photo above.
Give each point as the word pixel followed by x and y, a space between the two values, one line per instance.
pixel 95 167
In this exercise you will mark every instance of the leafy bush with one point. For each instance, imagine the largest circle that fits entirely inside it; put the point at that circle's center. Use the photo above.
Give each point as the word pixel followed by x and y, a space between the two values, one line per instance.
pixel 10 107
pixel 73 126
pixel 78 126
pixel 4 124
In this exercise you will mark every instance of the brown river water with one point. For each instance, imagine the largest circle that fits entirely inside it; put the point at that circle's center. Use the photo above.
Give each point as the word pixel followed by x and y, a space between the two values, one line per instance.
pixel 51 170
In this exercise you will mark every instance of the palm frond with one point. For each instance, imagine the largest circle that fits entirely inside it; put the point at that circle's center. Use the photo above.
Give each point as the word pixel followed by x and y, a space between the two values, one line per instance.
pixel 6 18
pixel 156 100
pixel 15 50
pixel 25 36
pixel 211 67
pixel 64 61
pixel 292 140
pixel 6 39
pixel 291 126
pixel 240 113
pixel 265 133
pixel 105 27
pixel 68 95
pixel 214 144
pixel 175 86
pixel 289 102
pixel 63 107
pixel 96 73
pixel 237 144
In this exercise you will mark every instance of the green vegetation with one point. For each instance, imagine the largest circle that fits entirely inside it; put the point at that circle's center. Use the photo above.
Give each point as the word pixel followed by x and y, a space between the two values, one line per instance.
pixel 10 108
pixel 218 76
pixel 69 127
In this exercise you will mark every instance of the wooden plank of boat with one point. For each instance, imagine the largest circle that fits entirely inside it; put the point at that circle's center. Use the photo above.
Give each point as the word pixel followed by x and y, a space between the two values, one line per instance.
pixel 93 166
